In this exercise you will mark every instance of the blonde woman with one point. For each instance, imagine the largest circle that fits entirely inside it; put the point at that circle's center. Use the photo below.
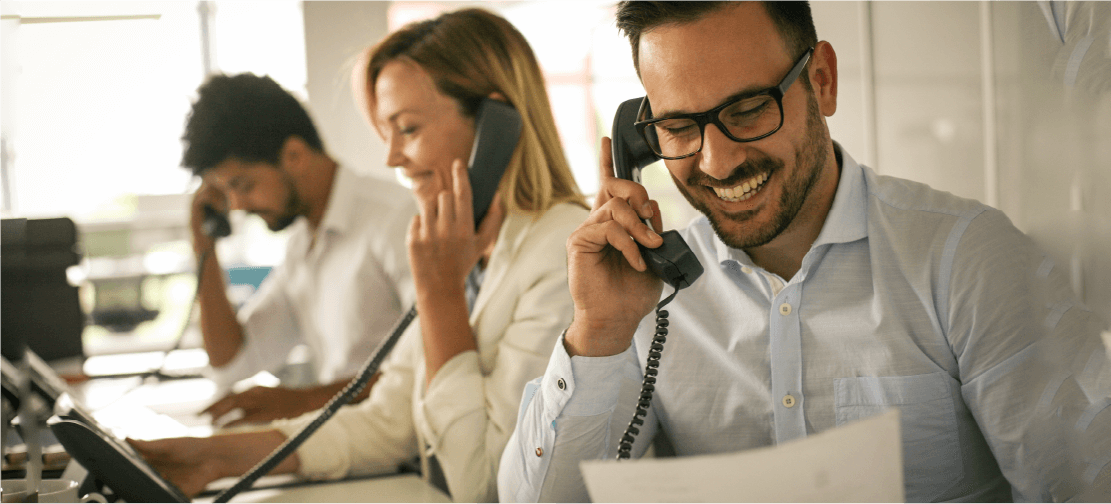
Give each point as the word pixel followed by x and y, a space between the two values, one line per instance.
pixel 449 395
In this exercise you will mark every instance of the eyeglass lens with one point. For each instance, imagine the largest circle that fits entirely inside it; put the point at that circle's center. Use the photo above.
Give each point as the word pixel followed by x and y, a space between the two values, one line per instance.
pixel 744 119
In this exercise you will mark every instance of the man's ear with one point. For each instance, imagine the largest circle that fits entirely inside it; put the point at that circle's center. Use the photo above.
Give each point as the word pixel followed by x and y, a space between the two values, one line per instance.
pixel 823 77
pixel 295 154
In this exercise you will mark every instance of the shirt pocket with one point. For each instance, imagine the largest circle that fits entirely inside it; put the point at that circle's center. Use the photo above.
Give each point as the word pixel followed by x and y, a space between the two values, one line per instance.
pixel 931 445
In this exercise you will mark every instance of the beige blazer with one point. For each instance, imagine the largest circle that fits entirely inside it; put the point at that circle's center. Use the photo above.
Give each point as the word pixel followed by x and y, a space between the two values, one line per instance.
pixel 466 415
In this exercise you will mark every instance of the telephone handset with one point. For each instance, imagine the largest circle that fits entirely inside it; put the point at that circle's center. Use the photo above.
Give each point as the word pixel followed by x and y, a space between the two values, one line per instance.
pixel 497 130
pixel 673 261
pixel 215 224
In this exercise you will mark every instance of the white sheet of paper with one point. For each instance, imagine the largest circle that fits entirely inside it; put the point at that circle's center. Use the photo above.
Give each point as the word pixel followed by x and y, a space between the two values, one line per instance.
pixel 858 462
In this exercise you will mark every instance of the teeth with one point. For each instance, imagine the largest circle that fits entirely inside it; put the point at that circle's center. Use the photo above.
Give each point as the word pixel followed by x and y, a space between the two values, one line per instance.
pixel 743 191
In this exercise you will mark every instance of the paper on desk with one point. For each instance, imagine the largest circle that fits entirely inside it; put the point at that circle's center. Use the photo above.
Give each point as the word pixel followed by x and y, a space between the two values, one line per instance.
pixel 859 462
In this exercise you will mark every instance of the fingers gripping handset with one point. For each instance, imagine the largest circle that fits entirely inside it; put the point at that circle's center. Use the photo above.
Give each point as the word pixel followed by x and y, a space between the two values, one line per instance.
pixel 497 129
pixel 673 261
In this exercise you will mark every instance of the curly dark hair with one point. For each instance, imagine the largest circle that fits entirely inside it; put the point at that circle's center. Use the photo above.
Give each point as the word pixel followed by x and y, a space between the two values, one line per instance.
pixel 245 117
pixel 793 21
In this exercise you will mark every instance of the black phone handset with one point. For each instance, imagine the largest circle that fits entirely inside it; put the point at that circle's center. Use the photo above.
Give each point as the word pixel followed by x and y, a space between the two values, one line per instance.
pixel 215 224
pixel 673 261
pixel 497 130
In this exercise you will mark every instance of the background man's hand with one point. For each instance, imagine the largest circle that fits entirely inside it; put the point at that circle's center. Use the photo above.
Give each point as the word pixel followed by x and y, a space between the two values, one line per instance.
pixel 263 404
pixel 206 195
pixel 609 281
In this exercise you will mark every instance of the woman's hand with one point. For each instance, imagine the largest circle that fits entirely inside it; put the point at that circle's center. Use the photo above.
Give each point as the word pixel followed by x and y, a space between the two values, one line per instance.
pixel 188 463
pixel 443 243
pixel 192 463
pixel 443 248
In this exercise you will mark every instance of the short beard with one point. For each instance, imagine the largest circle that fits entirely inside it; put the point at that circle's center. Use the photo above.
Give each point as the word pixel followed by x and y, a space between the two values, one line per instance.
pixel 812 154
pixel 294 206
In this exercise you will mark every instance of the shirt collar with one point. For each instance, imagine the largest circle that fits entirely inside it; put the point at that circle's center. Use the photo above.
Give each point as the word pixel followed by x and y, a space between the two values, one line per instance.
pixel 847 220
pixel 336 217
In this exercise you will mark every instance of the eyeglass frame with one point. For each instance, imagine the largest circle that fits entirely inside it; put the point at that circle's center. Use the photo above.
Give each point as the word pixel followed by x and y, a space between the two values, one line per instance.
pixel 711 116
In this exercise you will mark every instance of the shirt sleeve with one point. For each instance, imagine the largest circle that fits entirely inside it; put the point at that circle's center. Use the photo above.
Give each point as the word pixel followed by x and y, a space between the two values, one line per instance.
pixel 371 437
pixel 269 333
pixel 1034 372
pixel 469 412
pixel 577 411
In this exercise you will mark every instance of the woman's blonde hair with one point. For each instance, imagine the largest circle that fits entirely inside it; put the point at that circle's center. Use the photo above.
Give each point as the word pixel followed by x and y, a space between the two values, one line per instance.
pixel 469 54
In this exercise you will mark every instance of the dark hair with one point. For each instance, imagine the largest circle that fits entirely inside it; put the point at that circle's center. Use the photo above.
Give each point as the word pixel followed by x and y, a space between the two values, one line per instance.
pixel 245 117
pixel 793 21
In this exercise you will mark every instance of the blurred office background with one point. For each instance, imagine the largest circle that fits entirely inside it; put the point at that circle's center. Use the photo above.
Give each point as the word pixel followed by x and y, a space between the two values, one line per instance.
pixel 1005 102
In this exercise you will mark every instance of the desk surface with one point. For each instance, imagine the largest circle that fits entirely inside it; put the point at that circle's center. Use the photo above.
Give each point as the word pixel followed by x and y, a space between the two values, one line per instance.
pixel 175 401
pixel 393 488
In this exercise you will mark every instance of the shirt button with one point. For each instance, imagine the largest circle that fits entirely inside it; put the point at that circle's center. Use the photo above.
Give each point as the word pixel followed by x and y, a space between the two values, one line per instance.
pixel 561 384
pixel 785 309
pixel 746 270
pixel 539 451
pixel 788 401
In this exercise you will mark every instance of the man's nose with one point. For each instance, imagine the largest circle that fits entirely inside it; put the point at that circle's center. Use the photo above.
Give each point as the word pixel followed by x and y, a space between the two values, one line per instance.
pixel 720 155
pixel 235 201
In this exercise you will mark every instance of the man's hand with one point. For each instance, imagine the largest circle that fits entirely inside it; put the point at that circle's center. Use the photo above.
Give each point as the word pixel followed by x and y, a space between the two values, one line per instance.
pixel 609 281
pixel 206 195
pixel 263 404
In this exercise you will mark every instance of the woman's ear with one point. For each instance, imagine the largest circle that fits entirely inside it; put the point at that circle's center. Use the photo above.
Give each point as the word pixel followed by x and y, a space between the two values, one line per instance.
pixel 498 96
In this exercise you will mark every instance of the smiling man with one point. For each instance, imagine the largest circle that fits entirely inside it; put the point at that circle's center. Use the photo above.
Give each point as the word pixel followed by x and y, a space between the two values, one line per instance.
pixel 345 279
pixel 830 293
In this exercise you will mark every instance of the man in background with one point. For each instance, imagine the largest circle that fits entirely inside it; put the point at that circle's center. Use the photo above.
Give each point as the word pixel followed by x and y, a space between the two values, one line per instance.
pixel 345 279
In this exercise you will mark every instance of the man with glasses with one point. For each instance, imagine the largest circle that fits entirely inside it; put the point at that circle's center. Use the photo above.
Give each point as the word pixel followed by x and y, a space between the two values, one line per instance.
pixel 830 293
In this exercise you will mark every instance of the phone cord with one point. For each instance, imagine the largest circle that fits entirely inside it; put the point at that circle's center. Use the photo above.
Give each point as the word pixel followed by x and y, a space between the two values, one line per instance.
pixel 352 389
pixel 160 373
pixel 625 447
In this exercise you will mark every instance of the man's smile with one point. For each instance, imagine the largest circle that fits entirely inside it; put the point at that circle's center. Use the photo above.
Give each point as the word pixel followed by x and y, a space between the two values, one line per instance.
pixel 742 191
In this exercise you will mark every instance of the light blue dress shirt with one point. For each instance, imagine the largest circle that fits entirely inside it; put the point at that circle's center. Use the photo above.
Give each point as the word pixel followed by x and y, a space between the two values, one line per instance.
pixel 909 298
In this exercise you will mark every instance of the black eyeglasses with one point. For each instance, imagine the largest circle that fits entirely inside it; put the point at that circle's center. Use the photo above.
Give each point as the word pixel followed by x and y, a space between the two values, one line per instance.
pixel 744 119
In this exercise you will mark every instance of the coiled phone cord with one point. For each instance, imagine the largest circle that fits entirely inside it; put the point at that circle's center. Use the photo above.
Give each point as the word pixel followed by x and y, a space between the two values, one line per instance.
pixel 625 446
pixel 352 389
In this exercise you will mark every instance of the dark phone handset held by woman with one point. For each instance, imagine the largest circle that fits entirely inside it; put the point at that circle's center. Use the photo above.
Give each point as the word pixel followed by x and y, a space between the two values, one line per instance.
pixel 497 130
